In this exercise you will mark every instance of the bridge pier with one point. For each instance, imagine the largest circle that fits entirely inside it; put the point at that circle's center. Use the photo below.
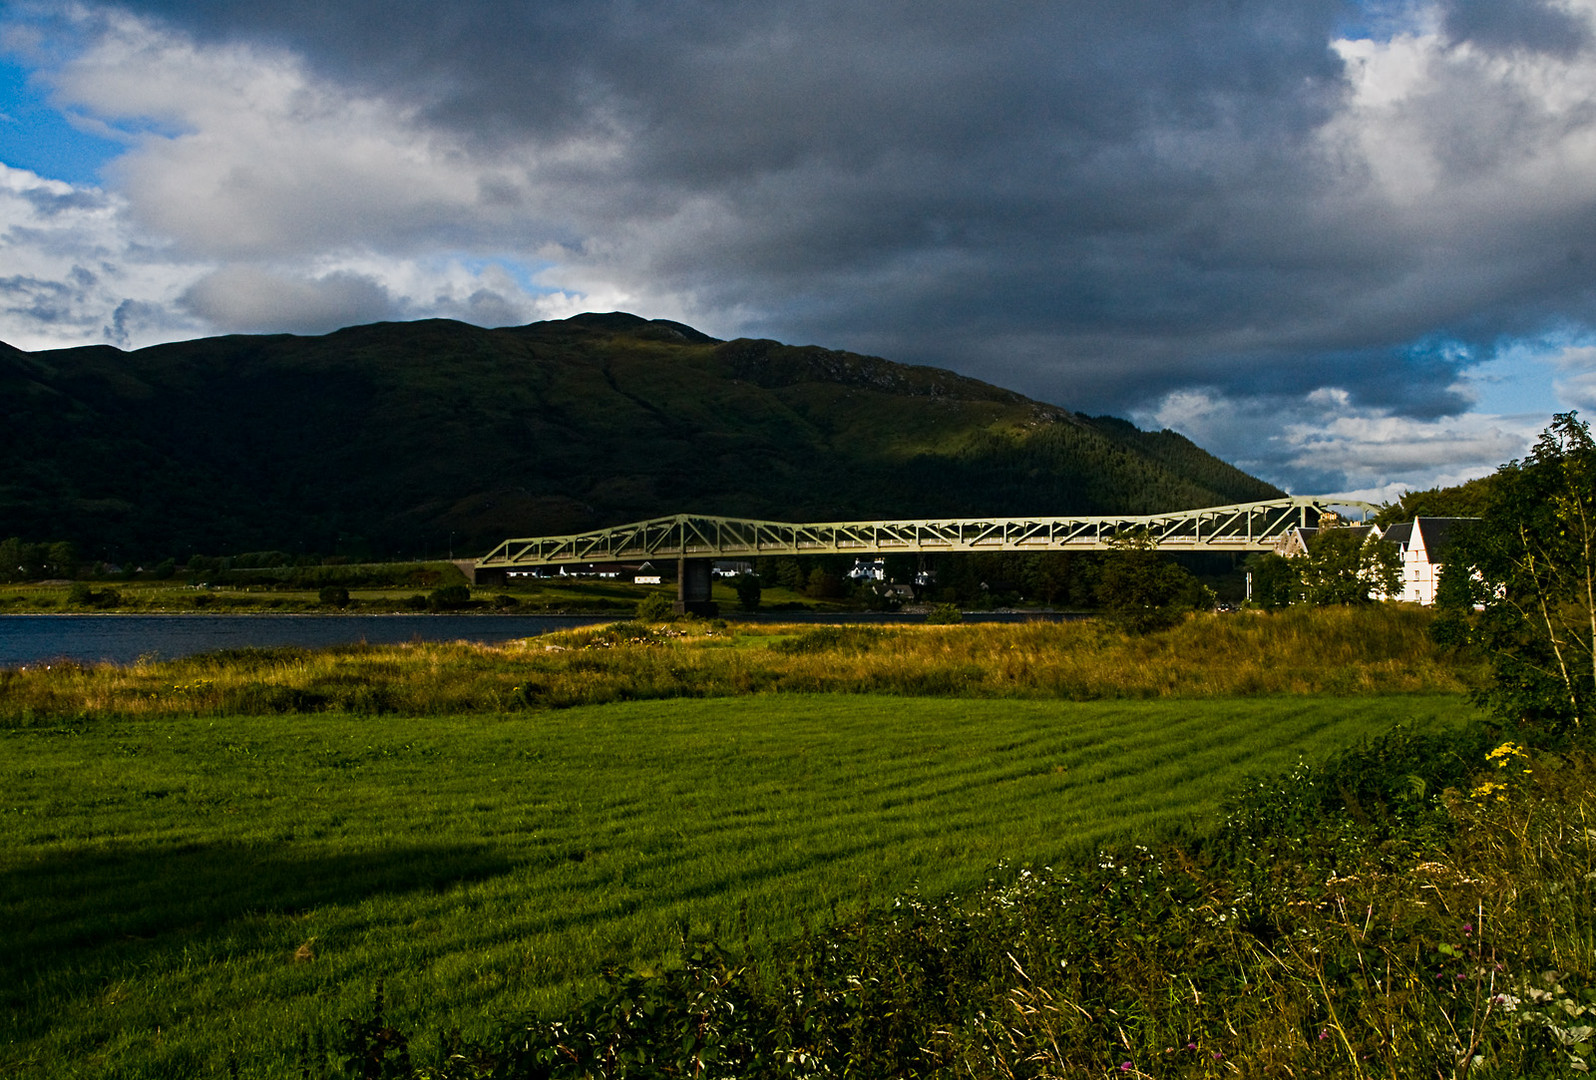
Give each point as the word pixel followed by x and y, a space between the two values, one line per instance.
pixel 693 581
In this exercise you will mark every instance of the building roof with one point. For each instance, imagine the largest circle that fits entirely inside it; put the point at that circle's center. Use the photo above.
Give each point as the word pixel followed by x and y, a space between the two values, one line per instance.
pixel 1434 533
pixel 1437 532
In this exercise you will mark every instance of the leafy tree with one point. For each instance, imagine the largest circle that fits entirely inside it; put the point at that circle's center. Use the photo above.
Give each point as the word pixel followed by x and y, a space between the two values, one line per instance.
pixel 1142 590
pixel 1274 580
pixel 334 596
pixel 1348 566
pixel 1468 499
pixel 1051 576
pixel 1521 584
pixel 449 598
pixel 20 561
pixel 655 607
pixel 825 585
pixel 789 573
pixel 748 590
pixel 62 559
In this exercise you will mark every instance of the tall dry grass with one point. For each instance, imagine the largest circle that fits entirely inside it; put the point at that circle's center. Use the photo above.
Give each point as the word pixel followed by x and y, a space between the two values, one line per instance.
pixel 1374 650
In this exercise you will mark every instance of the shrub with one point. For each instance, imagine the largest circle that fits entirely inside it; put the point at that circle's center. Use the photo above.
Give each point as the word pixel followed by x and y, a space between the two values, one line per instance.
pixel 83 596
pixel 334 596
pixel 449 598
pixel 945 613
pixel 655 607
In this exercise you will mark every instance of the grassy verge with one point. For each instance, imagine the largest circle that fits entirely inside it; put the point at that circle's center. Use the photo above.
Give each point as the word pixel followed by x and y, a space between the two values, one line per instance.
pixel 178 888
pixel 243 596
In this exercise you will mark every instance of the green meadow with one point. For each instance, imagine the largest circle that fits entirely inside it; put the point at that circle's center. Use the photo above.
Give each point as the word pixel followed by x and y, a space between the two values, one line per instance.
pixel 173 890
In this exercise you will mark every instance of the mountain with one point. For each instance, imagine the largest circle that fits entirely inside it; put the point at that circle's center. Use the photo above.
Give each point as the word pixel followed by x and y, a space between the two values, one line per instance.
pixel 403 438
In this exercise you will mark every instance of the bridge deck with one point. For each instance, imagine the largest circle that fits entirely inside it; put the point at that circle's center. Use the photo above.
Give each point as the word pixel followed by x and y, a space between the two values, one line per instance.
pixel 1240 527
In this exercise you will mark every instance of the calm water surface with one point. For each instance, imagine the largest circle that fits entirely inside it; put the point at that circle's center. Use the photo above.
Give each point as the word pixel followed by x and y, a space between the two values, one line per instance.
pixel 122 639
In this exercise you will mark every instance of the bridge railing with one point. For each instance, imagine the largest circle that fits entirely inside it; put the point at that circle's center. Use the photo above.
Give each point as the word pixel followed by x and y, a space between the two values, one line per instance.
pixel 1253 526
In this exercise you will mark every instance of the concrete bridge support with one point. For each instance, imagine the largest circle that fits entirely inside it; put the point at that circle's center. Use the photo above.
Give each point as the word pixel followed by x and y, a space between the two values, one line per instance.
pixel 693 582
pixel 488 578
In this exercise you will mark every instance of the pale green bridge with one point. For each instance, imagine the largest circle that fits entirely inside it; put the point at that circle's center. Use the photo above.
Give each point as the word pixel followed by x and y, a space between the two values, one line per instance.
pixel 695 541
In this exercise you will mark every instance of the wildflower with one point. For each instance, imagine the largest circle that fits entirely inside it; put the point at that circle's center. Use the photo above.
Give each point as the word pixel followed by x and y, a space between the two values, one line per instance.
pixel 1468 928
pixel 1124 1066
pixel 1323 1035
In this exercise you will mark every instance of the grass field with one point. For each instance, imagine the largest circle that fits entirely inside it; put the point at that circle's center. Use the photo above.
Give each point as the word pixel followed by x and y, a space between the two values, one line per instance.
pixel 174 888
pixel 146 595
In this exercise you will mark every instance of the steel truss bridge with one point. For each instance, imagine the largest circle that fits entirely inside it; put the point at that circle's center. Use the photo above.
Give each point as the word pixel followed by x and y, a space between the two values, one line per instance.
pixel 695 538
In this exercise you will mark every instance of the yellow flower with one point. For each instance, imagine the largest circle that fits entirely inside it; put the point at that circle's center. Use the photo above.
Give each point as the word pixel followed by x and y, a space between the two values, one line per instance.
pixel 1487 791
pixel 1509 753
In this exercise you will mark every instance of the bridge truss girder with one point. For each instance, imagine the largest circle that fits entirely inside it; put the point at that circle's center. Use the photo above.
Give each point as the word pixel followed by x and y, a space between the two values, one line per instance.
pixel 1240 527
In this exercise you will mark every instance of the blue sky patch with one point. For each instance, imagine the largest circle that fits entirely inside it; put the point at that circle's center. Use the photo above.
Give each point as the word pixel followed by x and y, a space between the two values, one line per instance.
pixel 36 136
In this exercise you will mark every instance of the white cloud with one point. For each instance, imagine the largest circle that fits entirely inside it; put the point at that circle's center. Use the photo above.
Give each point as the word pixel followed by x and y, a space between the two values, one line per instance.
pixel 254 300
pixel 254 158
pixel 1452 133
pixel 77 272
pixel 1576 377
pixel 1321 443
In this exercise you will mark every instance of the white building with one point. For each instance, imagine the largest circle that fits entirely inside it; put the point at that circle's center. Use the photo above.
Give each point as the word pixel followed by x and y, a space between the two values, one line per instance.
pixel 1422 543
pixel 868 570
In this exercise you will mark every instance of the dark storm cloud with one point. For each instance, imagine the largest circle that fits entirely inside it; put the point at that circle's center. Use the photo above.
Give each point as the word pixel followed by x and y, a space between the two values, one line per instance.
pixel 1534 25
pixel 1091 202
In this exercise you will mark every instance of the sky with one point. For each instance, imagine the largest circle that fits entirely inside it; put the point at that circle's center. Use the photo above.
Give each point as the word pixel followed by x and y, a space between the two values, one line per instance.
pixel 1350 247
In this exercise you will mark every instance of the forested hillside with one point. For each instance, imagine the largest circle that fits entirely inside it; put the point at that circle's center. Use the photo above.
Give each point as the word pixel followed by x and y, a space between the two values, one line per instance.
pixel 407 438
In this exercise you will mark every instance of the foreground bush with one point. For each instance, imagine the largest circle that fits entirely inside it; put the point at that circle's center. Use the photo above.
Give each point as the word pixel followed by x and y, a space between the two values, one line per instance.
pixel 1416 935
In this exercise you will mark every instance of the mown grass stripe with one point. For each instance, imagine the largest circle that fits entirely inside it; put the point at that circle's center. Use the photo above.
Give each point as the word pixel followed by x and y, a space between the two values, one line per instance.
pixel 489 864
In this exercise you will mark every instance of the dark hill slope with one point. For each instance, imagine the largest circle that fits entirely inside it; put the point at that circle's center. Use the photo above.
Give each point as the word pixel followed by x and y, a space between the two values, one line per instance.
pixel 403 433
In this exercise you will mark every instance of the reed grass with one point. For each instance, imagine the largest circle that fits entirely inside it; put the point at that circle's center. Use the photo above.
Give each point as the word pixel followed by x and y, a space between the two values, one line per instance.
pixel 1378 650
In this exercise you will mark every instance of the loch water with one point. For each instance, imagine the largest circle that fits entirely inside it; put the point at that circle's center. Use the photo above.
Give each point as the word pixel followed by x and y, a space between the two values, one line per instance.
pixel 123 639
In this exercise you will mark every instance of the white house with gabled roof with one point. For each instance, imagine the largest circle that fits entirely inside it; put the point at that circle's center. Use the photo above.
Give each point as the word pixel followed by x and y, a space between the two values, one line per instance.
pixel 1422 543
